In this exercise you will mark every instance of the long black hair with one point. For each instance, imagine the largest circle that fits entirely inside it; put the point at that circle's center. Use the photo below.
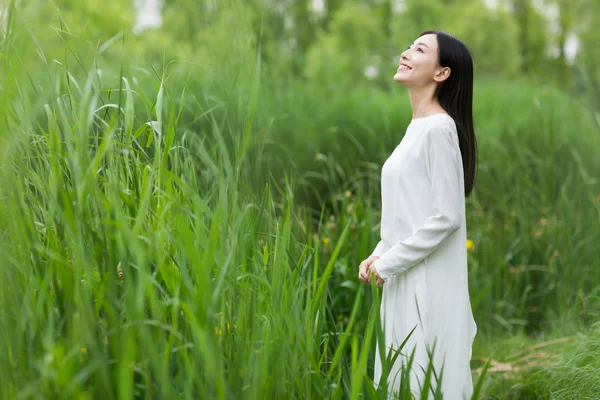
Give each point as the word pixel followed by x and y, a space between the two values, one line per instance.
pixel 455 95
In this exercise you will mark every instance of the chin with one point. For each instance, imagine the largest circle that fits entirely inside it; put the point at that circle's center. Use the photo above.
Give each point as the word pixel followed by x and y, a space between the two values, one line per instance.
pixel 399 78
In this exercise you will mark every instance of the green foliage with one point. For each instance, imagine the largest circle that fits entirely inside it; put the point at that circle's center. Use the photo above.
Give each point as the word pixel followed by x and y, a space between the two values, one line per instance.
pixel 490 35
pixel 533 38
pixel 417 17
pixel 338 58
pixel 588 57
pixel 180 219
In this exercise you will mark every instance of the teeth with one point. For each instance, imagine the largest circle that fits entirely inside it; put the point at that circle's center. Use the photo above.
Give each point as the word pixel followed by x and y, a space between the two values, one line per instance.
pixel 404 67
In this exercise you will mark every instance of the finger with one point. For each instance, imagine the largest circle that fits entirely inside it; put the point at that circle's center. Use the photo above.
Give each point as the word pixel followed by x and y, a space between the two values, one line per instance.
pixel 362 274
pixel 371 261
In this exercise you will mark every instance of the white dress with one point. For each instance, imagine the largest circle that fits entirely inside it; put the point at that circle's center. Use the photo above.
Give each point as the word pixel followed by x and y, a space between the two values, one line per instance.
pixel 424 258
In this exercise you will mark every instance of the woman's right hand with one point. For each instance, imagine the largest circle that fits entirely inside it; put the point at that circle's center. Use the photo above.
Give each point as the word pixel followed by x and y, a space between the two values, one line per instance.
pixel 364 269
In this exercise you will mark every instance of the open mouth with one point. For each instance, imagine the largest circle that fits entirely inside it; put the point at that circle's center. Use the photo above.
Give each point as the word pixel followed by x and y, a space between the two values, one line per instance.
pixel 404 67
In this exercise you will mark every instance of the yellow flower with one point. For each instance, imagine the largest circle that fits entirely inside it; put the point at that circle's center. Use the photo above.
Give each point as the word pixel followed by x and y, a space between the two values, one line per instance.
pixel 326 240
pixel 218 331
pixel 470 245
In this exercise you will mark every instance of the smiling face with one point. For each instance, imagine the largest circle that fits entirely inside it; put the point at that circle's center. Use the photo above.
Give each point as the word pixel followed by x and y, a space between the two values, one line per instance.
pixel 419 64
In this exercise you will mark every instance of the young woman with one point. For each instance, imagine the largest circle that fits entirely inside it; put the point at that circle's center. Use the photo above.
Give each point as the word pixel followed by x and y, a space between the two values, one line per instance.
pixel 421 260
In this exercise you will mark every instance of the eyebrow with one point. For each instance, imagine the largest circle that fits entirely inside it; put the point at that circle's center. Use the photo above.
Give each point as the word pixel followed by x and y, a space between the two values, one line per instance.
pixel 421 43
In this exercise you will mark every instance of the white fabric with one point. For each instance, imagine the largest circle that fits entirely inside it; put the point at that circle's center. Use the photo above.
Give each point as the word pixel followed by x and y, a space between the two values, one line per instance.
pixel 423 257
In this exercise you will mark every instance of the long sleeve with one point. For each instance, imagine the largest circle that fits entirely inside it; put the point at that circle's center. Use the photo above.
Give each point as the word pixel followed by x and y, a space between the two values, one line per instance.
pixel 444 166
pixel 379 249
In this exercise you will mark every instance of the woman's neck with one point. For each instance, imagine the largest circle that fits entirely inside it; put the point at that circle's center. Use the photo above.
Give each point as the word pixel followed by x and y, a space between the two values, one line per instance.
pixel 423 102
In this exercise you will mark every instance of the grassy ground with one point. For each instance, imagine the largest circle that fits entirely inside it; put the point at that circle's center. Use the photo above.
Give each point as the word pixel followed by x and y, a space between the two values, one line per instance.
pixel 543 367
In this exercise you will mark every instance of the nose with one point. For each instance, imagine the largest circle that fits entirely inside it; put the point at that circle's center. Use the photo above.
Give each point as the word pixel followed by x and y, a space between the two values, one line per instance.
pixel 404 55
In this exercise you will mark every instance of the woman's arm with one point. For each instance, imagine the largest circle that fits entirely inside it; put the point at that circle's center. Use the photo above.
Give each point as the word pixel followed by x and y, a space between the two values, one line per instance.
pixel 444 166
pixel 379 250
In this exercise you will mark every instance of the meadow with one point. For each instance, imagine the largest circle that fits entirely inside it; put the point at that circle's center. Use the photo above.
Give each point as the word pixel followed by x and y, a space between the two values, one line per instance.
pixel 172 230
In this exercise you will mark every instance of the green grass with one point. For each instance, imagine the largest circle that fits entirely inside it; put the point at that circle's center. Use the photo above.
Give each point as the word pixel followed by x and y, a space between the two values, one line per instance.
pixel 543 367
pixel 139 263
pixel 166 235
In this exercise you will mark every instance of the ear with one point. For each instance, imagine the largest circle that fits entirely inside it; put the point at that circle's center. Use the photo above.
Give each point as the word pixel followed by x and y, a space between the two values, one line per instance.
pixel 442 74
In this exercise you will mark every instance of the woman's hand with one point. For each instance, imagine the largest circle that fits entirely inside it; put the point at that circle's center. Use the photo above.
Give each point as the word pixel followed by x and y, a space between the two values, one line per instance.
pixel 373 273
pixel 365 271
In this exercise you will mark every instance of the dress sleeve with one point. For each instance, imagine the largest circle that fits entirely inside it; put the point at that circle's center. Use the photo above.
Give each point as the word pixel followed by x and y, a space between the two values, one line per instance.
pixel 444 166
pixel 379 249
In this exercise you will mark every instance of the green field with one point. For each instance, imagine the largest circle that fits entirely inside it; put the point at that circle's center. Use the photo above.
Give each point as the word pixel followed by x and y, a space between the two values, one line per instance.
pixel 186 220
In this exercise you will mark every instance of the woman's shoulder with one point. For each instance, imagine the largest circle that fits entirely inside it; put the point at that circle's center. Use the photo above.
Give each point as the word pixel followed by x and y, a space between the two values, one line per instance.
pixel 440 127
pixel 434 122
pixel 441 120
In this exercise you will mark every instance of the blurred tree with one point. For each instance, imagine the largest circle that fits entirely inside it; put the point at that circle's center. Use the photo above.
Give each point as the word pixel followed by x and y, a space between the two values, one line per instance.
pixel 385 12
pixel 490 35
pixel 384 9
pixel 303 30
pixel 185 25
pixel 574 18
pixel 354 42
pixel 588 56
pixel 267 19
pixel 533 37
pixel 331 6
pixel 418 15
pixel 567 22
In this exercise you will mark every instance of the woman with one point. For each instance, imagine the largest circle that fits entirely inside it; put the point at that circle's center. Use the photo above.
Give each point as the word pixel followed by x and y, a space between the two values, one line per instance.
pixel 421 260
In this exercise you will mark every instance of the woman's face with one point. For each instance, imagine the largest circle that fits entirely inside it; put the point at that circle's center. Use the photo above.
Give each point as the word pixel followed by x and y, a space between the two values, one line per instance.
pixel 418 64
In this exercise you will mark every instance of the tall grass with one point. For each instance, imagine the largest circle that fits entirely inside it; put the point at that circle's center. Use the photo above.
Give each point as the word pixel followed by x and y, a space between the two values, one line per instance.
pixel 167 236
pixel 139 262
